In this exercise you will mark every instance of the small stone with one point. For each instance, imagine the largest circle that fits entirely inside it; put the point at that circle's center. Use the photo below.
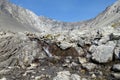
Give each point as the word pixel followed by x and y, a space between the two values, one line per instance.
pixel 75 77
pixel 116 75
pixel 43 69
pixel 3 78
pixel 93 76
pixel 117 53
pixel 92 48
pixel 116 68
pixel 37 77
pixel 64 45
pixel 89 66
pixel 63 75
pixel 82 60
pixel 74 64
pixel 84 79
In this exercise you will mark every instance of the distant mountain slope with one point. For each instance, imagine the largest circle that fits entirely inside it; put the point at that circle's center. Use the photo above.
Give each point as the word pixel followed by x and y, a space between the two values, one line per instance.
pixel 16 18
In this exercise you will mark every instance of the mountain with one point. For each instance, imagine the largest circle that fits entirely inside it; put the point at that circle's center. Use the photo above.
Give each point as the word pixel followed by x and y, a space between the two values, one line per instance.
pixel 54 50
pixel 26 20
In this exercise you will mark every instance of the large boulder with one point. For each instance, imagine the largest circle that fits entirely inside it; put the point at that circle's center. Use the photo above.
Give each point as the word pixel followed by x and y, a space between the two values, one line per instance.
pixel 104 53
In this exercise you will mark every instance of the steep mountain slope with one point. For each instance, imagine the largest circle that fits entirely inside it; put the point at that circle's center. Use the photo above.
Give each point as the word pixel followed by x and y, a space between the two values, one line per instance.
pixel 13 18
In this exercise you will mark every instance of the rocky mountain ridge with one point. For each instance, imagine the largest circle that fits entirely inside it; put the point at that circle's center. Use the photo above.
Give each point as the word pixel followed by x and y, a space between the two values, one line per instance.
pixel 42 24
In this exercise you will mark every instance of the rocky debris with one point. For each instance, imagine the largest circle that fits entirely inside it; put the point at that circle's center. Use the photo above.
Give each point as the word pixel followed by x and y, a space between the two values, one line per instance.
pixel 104 53
pixel 29 56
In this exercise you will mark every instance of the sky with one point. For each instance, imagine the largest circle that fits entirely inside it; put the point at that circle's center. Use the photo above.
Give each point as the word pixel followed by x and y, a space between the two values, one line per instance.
pixel 65 10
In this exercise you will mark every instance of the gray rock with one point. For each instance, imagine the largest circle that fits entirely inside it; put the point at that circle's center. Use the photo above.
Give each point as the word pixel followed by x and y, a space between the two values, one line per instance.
pixel 81 42
pixel 92 48
pixel 117 53
pixel 3 78
pixel 63 75
pixel 104 53
pixel 115 36
pixel 84 79
pixel 64 45
pixel 75 77
pixel 116 75
pixel 104 40
pixel 89 66
pixel 116 68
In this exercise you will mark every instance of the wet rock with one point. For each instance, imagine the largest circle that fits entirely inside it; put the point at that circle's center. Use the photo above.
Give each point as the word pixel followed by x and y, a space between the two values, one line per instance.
pixel 104 53
pixel 89 66
pixel 116 68
pixel 75 77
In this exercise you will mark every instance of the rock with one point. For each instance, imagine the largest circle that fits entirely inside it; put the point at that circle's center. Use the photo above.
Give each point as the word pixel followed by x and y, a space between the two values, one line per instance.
pixel 114 36
pixel 64 45
pixel 82 60
pixel 3 78
pixel 81 43
pixel 89 66
pixel 63 75
pixel 84 79
pixel 93 76
pixel 116 68
pixel 75 77
pixel 117 53
pixel 92 48
pixel 104 40
pixel 116 75
pixel 104 53
pixel 42 77
pixel 80 50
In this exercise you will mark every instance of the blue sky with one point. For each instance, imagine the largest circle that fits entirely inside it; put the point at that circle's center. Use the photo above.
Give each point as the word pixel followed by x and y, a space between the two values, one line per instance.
pixel 65 10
